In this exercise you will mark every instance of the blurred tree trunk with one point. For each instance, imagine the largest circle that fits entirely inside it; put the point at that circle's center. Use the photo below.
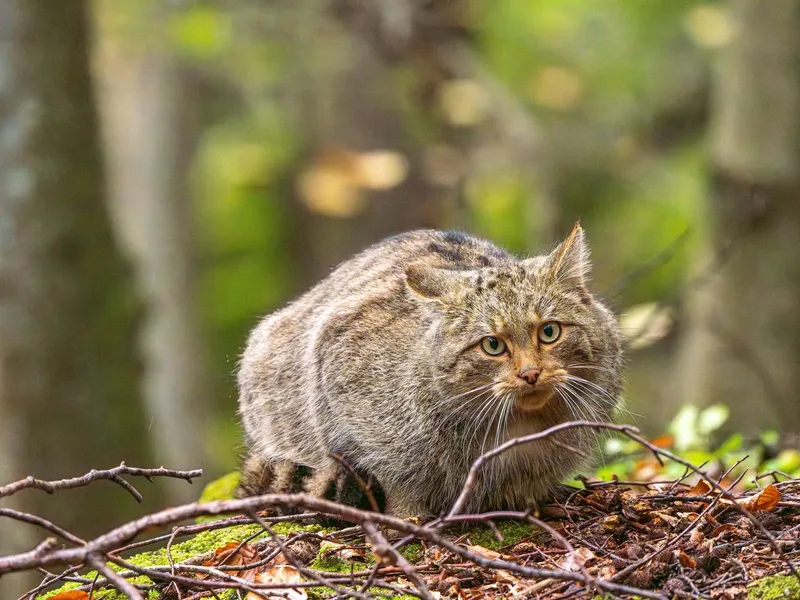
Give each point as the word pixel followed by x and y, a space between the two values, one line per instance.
pixel 742 343
pixel 356 107
pixel 152 127
pixel 367 102
pixel 68 372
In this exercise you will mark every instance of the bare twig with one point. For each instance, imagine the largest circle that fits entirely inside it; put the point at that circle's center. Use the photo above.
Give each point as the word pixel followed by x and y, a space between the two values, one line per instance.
pixel 122 584
pixel 383 549
pixel 40 522
pixel 114 475
pixel 116 537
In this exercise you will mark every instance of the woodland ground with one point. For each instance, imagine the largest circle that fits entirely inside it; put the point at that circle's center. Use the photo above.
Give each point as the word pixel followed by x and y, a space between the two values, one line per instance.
pixel 716 530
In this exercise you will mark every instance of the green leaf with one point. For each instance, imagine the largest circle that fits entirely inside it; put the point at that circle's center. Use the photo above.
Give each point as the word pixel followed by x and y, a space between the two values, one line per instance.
pixel 201 32
pixel 684 428
pixel 712 418
pixel 732 444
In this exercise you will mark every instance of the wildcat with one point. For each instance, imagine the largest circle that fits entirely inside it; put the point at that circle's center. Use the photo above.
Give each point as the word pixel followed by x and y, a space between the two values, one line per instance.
pixel 414 357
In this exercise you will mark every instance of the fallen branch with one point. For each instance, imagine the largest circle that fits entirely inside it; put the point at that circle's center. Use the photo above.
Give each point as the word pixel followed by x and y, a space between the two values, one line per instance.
pixel 114 475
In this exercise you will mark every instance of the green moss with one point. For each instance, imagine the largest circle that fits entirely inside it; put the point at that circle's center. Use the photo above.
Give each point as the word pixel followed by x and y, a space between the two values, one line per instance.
pixel 319 593
pixel 779 587
pixel 222 488
pixel 207 541
pixel 513 531
pixel 412 552
pixel 331 564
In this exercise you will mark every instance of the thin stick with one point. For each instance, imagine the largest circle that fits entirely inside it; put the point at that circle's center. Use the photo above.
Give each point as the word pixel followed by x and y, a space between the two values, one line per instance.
pixel 94 475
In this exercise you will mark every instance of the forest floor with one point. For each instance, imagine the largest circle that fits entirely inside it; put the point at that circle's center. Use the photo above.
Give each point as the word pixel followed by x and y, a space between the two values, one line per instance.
pixel 668 539
pixel 670 517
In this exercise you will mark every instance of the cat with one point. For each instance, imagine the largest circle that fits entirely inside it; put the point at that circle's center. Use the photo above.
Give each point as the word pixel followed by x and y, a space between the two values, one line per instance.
pixel 414 357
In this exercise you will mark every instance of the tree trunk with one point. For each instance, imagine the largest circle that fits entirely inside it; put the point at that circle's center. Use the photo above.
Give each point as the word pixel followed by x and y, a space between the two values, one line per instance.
pixel 68 373
pixel 152 128
pixel 743 338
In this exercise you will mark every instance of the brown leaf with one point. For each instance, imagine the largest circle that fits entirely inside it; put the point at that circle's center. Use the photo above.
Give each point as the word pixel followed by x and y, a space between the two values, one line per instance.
pixel 230 556
pixel 686 560
pixel 485 552
pixel 697 536
pixel 575 561
pixel 701 488
pixel 663 441
pixel 279 574
pixel 343 551
pixel 504 576
pixel 71 595
pixel 766 499
pixel 722 529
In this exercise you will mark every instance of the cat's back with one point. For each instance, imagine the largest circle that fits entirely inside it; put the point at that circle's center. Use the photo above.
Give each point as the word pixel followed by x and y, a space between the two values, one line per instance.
pixel 380 268
pixel 363 297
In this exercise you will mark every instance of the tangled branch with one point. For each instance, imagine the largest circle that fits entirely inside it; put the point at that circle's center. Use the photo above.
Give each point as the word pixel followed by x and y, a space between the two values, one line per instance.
pixel 202 575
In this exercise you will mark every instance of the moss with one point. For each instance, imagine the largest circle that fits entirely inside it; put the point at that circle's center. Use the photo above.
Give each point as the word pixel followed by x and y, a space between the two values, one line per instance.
pixel 222 488
pixel 206 541
pixel 319 593
pixel 331 564
pixel 513 531
pixel 330 561
pixel 412 552
pixel 779 587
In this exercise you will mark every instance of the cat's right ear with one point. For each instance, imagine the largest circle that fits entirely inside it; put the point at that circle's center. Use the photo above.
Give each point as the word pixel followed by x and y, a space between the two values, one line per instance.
pixel 432 283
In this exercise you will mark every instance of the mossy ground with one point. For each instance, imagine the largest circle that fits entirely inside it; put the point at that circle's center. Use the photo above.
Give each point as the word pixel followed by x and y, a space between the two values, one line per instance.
pixel 513 532
pixel 779 587
pixel 207 541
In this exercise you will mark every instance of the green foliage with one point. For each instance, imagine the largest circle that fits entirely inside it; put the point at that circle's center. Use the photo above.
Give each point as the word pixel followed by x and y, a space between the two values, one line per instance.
pixel 780 587
pixel 222 488
pixel 201 31
pixel 692 437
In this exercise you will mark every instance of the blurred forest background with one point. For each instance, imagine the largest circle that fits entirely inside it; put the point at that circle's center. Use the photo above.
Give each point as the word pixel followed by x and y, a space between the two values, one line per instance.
pixel 170 170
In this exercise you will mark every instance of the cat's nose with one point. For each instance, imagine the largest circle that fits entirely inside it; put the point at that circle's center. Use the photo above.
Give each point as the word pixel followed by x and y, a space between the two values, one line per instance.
pixel 530 375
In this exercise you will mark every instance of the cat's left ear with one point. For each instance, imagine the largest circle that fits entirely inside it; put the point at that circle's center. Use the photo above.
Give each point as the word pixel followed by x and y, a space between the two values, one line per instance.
pixel 570 262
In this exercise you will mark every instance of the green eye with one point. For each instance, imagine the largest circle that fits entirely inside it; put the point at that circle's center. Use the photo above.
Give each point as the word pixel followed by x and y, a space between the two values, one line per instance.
pixel 549 332
pixel 493 346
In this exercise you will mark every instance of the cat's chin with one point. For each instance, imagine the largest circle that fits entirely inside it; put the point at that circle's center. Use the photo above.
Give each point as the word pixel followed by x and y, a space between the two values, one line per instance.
pixel 534 402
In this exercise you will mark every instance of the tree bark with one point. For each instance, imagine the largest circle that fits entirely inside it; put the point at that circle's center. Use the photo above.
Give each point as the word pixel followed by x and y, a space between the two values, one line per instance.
pixel 152 127
pixel 68 372
pixel 743 338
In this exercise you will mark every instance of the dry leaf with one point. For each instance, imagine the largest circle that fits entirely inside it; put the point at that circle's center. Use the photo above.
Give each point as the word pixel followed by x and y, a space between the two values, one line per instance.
pixel 575 561
pixel 230 556
pixel 722 529
pixel 663 441
pixel 71 595
pixel 645 324
pixel 685 560
pixel 701 488
pixel 766 499
pixel 485 552
pixel 343 551
pixel 504 576
pixel 280 574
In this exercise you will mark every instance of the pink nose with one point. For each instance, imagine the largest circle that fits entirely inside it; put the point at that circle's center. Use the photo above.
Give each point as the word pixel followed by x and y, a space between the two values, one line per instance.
pixel 530 375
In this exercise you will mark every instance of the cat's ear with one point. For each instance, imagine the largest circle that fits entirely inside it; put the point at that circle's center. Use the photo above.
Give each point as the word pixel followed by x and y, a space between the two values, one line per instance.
pixel 570 260
pixel 433 283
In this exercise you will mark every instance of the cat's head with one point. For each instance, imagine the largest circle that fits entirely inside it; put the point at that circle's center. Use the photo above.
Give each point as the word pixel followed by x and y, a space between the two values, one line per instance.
pixel 527 333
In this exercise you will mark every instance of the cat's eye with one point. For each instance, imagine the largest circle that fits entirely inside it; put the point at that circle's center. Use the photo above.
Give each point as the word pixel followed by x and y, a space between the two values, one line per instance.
pixel 549 332
pixel 493 346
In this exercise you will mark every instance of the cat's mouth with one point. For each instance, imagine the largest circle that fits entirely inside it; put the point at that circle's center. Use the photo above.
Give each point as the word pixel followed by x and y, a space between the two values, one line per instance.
pixel 535 399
